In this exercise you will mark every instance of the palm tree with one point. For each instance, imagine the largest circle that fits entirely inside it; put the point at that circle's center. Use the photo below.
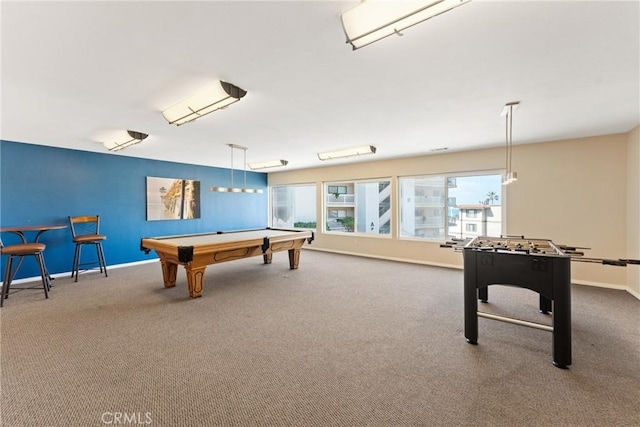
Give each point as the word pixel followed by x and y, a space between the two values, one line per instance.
pixel 491 196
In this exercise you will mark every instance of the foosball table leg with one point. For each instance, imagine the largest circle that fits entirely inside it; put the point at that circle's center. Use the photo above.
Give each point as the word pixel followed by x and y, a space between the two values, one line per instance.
pixel 545 304
pixel 483 294
pixel 470 313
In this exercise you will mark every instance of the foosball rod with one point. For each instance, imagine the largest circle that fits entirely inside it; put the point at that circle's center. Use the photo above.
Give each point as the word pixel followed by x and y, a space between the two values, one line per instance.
pixel 616 262
pixel 515 321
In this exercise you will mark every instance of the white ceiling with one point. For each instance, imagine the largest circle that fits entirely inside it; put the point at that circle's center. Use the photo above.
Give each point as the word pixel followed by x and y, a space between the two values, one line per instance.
pixel 74 72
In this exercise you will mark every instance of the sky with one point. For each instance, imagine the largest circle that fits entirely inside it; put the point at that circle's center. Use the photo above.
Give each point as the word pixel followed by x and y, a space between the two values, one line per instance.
pixel 474 189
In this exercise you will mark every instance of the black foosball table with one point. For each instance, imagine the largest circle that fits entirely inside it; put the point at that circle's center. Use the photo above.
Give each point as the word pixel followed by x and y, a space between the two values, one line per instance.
pixel 535 264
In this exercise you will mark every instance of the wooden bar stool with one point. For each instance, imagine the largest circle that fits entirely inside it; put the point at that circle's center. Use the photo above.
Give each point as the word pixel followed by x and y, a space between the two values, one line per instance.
pixel 86 231
pixel 21 250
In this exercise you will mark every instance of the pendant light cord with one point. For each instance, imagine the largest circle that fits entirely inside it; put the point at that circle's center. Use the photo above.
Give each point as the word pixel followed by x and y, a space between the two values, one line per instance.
pixel 509 137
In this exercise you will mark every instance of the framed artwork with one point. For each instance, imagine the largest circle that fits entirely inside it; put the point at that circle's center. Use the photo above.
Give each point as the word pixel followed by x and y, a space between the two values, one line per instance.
pixel 170 198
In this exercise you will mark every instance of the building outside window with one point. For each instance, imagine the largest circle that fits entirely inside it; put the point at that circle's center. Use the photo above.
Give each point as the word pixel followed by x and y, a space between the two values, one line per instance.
pixel 422 207
pixel 293 206
pixel 358 207
pixel 441 207
pixel 336 190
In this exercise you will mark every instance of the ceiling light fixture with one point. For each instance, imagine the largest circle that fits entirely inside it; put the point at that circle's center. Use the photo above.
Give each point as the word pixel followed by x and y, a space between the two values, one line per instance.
pixel 374 20
pixel 233 189
pixel 349 152
pixel 507 111
pixel 268 164
pixel 219 95
pixel 124 139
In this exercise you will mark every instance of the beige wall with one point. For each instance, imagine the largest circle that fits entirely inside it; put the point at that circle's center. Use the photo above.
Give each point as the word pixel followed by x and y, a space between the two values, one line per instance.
pixel 573 192
pixel 633 209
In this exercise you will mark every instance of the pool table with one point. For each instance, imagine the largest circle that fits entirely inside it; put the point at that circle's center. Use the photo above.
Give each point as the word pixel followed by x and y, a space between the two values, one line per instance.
pixel 196 251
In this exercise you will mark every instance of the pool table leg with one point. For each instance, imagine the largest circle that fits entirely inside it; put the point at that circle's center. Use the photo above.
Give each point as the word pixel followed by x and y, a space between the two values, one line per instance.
pixel 294 258
pixel 267 258
pixel 194 280
pixel 169 271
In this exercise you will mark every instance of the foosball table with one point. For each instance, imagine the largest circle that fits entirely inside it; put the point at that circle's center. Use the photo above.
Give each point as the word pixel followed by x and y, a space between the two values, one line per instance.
pixel 535 264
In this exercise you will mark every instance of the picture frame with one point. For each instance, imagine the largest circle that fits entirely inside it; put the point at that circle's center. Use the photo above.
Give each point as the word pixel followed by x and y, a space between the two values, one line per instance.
pixel 172 198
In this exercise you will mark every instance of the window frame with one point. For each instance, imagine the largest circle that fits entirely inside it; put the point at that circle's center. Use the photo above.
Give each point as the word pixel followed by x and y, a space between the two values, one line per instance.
pixel 447 176
pixel 314 185
pixel 354 183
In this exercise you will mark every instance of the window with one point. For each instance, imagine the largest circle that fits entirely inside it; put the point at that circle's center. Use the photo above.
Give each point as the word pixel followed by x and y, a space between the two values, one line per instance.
pixel 440 207
pixel 337 189
pixel 337 213
pixel 422 207
pixel 293 206
pixel 358 207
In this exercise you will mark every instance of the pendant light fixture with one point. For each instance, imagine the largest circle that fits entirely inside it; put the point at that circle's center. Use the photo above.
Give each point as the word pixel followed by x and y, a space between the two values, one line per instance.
pixel 233 189
pixel 507 111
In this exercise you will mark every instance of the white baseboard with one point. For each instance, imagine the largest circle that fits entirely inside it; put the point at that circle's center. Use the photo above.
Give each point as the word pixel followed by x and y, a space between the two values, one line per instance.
pixel 410 261
pixel 607 286
pixel 68 273
pixel 459 267
pixel 633 292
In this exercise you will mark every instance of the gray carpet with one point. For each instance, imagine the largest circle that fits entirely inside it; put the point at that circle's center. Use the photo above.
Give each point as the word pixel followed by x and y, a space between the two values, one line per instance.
pixel 343 341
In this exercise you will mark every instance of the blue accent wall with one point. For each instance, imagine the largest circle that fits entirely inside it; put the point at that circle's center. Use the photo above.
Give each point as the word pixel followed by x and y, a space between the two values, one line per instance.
pixel 45 185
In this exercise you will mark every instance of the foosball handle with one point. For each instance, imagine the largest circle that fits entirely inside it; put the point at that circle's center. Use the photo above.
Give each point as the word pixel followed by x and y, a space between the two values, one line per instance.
pixel 617 262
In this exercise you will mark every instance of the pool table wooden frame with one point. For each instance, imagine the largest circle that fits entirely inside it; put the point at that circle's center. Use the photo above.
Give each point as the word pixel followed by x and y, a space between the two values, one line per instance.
pixel 196 251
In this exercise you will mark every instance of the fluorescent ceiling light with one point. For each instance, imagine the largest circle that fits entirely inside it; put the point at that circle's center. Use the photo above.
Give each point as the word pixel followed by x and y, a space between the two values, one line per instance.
pixel 124 139
pixel 358 151
pixel 219 95
pixel 268 164
pixel 373 20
